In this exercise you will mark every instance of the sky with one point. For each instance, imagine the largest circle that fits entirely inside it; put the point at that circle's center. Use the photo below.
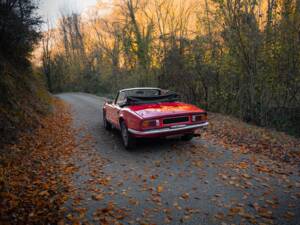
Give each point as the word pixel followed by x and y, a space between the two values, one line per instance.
pixel 51 9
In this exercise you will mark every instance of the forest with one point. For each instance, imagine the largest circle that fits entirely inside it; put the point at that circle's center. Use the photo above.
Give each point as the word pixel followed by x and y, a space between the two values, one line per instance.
pixel 23 96
pixel 237 57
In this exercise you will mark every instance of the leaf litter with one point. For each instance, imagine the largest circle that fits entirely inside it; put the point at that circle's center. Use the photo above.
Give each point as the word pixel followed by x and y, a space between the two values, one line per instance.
pixel 52 196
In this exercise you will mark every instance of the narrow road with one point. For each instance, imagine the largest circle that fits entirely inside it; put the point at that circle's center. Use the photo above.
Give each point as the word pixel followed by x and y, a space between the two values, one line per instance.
pixel 176 182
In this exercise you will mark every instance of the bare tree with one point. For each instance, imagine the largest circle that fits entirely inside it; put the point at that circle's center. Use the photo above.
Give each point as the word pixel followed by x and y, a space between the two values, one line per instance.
pixel 46 55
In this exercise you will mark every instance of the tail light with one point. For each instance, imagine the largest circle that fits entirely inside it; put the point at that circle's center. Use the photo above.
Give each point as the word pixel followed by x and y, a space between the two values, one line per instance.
pixel 199 117
pixel 150 124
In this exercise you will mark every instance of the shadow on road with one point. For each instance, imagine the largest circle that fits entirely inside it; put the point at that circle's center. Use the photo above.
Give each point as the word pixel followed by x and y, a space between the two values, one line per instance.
pixel 146 144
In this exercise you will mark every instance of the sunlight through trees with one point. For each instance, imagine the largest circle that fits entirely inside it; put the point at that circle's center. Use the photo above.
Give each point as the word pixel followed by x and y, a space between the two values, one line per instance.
pixel 237 57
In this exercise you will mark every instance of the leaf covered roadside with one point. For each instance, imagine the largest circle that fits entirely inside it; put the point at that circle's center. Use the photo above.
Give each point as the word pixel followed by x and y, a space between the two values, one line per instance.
pixel 32 184
pixel 235 134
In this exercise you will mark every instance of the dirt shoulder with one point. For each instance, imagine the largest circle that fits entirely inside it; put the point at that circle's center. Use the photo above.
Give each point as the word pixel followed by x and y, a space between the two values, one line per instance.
pixel 35 172
pixel 234 134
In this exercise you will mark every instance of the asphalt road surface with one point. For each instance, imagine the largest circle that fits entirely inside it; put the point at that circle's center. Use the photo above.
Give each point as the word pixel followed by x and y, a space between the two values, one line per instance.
pixel 177 182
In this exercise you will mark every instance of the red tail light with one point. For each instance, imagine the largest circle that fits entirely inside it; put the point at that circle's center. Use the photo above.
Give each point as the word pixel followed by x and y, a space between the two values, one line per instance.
pixel 150 124
pixel 199 117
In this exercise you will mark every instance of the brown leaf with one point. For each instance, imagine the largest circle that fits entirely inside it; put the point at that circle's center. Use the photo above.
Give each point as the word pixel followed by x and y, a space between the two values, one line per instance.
pixel 185 195
pixel 235 210
pixel 289 215
pixel 98 197
pixel 220 216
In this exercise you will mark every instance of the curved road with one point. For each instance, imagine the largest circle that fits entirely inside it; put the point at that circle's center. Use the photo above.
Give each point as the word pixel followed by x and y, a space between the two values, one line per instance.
pixel 175 182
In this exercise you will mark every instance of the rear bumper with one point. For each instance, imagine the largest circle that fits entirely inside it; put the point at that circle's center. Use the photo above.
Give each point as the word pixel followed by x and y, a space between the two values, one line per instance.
pixel 167 131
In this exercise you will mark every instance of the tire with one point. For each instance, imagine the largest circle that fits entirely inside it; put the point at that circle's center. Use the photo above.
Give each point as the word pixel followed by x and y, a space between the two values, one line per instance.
pixel 187 137
pixel 106 124
pixel 129 142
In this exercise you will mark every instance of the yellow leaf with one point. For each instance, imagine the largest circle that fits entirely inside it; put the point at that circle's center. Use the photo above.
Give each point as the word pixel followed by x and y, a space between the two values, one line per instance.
pixel 160 189
pixel 242 165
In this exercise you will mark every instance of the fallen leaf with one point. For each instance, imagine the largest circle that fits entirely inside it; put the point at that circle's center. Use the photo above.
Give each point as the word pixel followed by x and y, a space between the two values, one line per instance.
pixel 185 195
pixel 98 197
pixel 160 189
pixel 243 165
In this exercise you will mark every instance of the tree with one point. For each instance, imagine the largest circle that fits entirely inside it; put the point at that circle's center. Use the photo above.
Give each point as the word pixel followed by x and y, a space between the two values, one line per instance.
pixel 18 28
pixel 237 57
pixel 46 55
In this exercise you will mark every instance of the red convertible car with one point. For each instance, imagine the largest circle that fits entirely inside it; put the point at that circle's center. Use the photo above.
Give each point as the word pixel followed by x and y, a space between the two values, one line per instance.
pixel 151 112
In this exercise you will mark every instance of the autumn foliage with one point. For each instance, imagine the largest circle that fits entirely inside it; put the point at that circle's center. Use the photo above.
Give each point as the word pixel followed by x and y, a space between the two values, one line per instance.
pixel 242 137
pixel 235 57
pixel 35 171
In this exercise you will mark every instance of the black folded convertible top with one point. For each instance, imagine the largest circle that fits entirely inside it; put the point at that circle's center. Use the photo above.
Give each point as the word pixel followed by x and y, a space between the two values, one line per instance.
pixel 167 97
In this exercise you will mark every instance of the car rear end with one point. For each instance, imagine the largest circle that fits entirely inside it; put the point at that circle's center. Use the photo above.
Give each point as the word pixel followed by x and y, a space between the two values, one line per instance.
pixel 171 124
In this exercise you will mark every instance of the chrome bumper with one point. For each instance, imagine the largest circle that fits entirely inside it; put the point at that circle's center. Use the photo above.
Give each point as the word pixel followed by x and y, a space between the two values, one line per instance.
pixel 168 129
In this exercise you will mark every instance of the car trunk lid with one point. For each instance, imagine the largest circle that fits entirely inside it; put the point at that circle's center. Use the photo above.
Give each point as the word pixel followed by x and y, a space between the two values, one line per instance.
pixel 164 109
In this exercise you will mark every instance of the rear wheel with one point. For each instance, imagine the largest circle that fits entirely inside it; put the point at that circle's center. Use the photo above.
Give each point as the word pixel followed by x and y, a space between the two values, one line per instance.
pixel 106 124
pixel 128 141
pixel 187 137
